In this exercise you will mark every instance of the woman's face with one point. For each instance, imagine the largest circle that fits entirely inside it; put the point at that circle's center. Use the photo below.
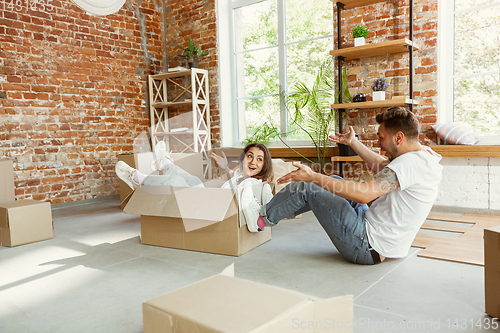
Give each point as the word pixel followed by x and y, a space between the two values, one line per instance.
pixel 253 162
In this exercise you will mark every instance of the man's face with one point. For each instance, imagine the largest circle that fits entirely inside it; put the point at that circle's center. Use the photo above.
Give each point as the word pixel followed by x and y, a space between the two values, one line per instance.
pixel 387 142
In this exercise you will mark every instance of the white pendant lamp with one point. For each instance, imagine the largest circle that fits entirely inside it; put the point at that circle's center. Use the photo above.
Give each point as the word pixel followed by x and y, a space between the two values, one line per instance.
pixel 100 7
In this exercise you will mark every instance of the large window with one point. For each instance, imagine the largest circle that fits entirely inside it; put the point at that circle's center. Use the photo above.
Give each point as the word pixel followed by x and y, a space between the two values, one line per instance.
pixel 276 44
pixel 470 64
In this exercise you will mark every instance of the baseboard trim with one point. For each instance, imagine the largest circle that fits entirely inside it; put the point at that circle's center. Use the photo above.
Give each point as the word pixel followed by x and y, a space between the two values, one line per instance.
pixel 86 202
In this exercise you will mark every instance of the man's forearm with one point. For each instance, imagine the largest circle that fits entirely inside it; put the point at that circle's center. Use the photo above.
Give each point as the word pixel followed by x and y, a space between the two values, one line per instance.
pixel 374 161
pixel 362 192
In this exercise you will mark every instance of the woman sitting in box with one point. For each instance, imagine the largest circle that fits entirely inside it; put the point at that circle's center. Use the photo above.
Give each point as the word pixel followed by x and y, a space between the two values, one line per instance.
pixel 255 167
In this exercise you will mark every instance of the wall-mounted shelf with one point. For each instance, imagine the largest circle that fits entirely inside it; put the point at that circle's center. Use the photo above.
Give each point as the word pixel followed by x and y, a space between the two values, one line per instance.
pixel 370 50
pixel 376 104
pixel 348 4
pixel 374 49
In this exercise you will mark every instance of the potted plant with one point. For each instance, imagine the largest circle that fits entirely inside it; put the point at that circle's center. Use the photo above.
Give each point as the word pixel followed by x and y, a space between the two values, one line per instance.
pixel 379 87
pixel 359 33
pixel 192 53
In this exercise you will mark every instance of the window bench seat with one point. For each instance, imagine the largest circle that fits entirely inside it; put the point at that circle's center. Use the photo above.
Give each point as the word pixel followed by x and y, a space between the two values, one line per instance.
pixel 445 151
pixel 467 150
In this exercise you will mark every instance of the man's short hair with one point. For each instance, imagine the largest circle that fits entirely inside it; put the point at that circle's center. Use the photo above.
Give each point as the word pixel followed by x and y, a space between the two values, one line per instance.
pixel 399 119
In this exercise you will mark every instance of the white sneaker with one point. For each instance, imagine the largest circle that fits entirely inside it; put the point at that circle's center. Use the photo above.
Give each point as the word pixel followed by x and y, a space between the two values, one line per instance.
pixel 251 210
pixel 160 153
pixel 126 173
pixel 267 194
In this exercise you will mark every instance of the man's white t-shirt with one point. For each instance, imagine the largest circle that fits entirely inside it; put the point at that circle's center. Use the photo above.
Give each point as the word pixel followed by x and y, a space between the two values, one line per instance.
pixel 394 219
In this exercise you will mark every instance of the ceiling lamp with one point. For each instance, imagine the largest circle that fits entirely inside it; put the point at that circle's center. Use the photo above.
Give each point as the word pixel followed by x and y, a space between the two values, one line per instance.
pixel 100 7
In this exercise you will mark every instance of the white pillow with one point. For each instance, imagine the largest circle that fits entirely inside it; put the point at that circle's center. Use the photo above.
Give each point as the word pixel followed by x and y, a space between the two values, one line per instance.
pixel 456 134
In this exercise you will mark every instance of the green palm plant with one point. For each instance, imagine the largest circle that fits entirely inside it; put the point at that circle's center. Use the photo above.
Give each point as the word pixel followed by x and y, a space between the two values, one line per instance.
pixel 312 113
pixel 309 112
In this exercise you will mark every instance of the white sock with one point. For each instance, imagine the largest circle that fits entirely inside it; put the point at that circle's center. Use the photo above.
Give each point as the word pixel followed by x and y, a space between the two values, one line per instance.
pixel 166 163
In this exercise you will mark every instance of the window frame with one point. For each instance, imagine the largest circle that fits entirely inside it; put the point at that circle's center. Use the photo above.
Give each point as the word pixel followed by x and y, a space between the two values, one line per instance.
pixel 231 119
pixel 446 49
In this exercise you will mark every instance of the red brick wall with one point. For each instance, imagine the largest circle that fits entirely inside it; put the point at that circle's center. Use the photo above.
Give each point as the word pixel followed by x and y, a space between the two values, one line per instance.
pixel 387 21
pixel 196 19
pixel 73 94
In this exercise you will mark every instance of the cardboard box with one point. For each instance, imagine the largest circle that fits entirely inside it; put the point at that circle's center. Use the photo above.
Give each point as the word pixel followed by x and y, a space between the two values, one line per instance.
pixel 25 221
pixel 227 304
pixel 191 163
pixel 492 271
pixel 7 193
pixel 192 218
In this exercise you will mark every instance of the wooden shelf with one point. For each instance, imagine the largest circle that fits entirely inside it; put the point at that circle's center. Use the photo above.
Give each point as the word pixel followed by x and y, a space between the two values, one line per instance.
pixel 467 150
pixel 346 159
pixel 169 104
pixel 200 132
pixel 445 151
pixel 281 152
pixel 374 49
pixel 171 74
pixel 348 4
pixel 375 104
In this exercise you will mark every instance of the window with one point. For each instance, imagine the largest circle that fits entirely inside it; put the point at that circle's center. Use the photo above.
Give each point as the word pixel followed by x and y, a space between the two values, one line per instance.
pixel 470 65
pixel 275 44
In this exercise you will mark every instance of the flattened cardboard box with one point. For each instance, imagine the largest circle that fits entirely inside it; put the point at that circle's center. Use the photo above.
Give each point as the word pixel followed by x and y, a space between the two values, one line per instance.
pixel 227 304
pixel 191 218
pixel 6 181
pixel 24 222
pixel 191 163
pixel 492 271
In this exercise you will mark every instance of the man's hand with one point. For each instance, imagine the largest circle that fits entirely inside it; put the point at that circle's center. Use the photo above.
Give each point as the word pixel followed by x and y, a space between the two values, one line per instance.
pixel 302 174
pixel 345 139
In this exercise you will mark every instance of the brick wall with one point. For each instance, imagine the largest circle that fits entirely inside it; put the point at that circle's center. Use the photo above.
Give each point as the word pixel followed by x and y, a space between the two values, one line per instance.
pixel 388 21
pixel 72 94
pixel 196 19
pixel 73 89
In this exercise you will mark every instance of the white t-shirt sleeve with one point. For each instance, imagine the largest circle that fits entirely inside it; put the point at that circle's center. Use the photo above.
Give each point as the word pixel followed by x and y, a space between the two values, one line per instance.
pixel 394 219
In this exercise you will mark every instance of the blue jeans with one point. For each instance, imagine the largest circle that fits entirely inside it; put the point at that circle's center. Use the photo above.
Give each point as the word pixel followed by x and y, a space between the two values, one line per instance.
pixel 342 219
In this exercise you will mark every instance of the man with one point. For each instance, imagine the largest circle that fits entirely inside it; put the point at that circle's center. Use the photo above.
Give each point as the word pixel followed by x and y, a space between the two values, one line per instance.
pixel 406 185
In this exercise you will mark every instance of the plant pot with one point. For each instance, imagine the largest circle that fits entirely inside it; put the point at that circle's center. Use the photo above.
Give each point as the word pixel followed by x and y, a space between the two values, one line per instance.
pixel 193 64
pixel 378 95
pixel 359 41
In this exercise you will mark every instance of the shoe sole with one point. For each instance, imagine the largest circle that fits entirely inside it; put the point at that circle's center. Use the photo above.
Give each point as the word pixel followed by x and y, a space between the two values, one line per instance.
pixel 249 211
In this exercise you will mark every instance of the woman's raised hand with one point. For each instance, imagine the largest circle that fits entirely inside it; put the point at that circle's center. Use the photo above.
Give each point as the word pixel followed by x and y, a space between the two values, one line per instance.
pixel 345 139
pixel 220 160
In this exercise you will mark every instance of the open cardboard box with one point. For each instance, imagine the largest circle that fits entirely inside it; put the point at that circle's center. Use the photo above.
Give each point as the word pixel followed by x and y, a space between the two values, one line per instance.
pixel 226 304
pixel 198 219
pixel 492 271
pixel 24 221
pixel 142 162
pixel 192 218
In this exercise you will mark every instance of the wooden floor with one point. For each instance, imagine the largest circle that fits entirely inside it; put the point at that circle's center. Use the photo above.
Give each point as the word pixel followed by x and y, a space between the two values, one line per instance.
pixel 467 249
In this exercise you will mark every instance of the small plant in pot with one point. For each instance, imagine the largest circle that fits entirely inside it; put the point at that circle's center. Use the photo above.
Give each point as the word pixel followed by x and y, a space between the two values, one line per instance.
pixel 192 53
pixel 379 87
pixel 359 33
